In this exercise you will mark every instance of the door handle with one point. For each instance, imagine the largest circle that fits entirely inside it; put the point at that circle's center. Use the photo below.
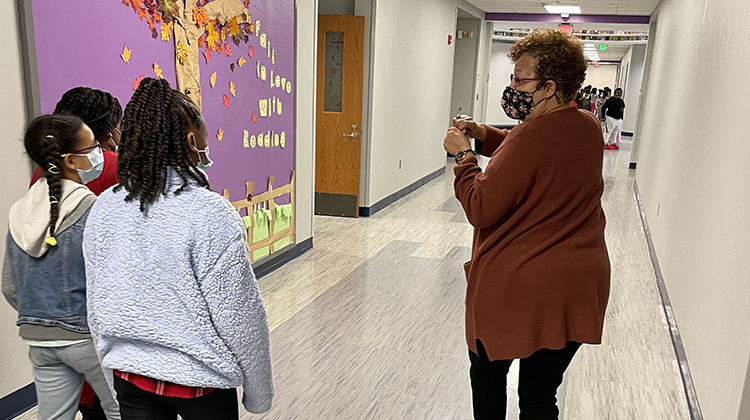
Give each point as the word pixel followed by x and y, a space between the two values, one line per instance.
pixel 354 135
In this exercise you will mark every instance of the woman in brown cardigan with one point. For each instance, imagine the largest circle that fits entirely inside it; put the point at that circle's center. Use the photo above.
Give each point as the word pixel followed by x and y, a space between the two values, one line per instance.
pixel 538 279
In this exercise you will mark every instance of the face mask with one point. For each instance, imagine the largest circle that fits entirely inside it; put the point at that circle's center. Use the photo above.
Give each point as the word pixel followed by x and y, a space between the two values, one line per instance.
pixel 203 166
pixel 518 104
pixel 96 158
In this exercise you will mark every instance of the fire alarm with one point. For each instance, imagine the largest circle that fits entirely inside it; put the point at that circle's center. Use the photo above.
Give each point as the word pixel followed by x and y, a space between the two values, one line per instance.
pixel 450 39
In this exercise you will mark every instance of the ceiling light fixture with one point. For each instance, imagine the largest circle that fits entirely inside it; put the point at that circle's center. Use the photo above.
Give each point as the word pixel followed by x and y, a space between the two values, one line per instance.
pixel 556 9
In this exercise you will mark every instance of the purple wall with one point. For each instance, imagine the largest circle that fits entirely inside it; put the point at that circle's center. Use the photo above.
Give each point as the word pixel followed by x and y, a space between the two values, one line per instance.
pixel 543 17
pixel 79 42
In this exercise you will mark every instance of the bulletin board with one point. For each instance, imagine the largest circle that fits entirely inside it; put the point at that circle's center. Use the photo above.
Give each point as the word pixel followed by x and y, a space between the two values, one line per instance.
pixel 246 66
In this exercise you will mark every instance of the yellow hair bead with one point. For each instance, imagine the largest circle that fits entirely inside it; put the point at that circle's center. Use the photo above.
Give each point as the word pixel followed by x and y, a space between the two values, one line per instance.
pixel 50 136
pixel 51 241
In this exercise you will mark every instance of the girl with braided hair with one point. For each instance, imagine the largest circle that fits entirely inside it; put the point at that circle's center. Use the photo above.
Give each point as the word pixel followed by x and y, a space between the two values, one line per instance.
pixel 44 276
pixel 102 113
pixel 174 306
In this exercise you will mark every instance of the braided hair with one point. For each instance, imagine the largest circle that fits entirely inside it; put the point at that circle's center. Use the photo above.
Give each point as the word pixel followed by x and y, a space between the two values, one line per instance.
pixel 98 109
pixel 47 139
pixel 155 126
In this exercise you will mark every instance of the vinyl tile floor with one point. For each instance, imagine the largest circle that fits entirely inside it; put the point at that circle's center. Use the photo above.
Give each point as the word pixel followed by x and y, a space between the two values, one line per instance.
pixel 369 323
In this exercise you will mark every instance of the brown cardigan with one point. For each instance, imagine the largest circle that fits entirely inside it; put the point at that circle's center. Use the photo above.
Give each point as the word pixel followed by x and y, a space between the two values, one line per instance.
pixel 539 269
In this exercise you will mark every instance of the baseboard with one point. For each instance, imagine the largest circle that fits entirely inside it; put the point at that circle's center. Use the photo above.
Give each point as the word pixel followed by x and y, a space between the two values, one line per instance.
pixel 18 402
pixel 276 261
pixel 380 205
pixel 633 165
pixel 679 349
pixel 627 133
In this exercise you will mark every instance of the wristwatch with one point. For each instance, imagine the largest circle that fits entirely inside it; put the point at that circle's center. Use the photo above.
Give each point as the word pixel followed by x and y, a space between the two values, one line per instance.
pixel 462 154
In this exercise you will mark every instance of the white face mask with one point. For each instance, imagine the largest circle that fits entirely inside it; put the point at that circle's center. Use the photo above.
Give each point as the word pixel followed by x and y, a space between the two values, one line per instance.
pixel 200 164
pixel 96 158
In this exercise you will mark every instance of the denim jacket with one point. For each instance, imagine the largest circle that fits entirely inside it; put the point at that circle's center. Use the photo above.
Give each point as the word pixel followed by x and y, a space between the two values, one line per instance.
pixel 49 290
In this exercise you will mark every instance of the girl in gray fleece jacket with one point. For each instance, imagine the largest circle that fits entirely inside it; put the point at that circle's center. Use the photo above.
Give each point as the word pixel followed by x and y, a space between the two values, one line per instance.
pixel 173 303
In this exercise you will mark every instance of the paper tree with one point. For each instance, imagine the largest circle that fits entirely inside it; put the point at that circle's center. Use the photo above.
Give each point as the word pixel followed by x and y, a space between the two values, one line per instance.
pixel 193 26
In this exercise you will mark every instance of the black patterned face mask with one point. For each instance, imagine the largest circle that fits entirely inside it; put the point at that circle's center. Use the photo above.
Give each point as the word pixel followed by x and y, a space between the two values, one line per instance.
pixel 518 104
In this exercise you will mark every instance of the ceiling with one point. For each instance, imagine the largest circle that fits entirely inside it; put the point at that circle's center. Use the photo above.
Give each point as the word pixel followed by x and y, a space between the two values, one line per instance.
pixel 588 7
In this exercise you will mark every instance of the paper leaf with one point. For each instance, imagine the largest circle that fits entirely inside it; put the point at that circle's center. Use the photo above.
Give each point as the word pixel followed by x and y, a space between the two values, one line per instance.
pixel 182 52
pixel 231 66
pixel 157 71
pixel 151 23
pixel 241 62
pixel 200 16
pixel 137 81
pixel 252 52
pixel 226 101
pixel 211 37
pixel 142 14
pixel 220 48
pixel 223 34
pixel 126 52
pixel 166 31
pixel 255 117
pixel 232 89
pixel 233 27
pixel 228 50
pixel 220 135
pixel 247 3
pixel 213 79
pixel 201 40
pixel 207 54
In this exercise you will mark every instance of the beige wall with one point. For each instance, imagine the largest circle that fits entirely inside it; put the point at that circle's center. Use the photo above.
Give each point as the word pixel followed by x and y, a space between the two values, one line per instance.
pixel 693 175
pixel 411 91
pixel 15 371
pixel 602 76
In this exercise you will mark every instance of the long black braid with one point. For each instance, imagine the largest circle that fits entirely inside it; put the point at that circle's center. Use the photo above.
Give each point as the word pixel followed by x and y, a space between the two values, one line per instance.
pixel 98 109
pixel 155 126
pixel 47 139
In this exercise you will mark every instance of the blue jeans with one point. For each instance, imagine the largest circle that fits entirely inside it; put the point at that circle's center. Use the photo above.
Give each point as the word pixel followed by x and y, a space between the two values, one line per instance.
pixel 58 375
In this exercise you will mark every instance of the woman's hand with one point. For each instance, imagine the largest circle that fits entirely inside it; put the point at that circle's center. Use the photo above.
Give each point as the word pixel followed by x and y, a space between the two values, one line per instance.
pixel 456 141
pixel 468 126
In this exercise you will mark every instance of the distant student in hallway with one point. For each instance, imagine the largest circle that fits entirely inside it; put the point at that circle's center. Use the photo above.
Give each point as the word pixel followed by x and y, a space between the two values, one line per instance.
pixel 44 276
pixel 613 109
pixel 174 306
pixel 538 279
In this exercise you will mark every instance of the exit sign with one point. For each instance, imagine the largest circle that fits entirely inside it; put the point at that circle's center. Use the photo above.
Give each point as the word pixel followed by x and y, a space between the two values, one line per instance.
pixel 603 47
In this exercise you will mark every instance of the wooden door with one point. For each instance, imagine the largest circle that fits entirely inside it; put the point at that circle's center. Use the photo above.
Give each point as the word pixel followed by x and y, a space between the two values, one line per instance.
pixel 339 114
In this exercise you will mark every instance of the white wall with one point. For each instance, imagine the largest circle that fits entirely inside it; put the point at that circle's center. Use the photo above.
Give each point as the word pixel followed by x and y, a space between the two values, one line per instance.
pixel 411 91
pixel 15 370
pixel 500 70
pixel 465 68
pixel 693 176
pixel 336 7
pixel 366 8
pixel 304 159
pixel 602 76
pixel 631 76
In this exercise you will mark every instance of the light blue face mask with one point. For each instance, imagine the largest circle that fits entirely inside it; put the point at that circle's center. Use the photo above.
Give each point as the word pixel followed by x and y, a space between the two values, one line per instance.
pixel 96 157
pixel 203 166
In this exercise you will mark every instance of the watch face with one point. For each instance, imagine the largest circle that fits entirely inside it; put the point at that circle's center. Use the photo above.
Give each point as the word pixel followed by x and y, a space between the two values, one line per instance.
pixel 460 155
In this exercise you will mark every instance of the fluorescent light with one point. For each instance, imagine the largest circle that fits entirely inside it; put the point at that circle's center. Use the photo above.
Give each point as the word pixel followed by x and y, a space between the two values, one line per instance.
pixel 557 9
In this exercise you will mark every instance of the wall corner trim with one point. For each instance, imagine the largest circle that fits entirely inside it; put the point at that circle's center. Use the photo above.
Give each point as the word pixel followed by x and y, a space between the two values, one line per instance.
pixel 380 205
pixel 679 349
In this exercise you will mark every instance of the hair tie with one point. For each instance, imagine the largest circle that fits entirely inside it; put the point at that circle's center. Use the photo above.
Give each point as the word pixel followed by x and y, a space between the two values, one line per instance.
pixel 51 241
pixel 53 169
pixel 53 200
pixel 50 136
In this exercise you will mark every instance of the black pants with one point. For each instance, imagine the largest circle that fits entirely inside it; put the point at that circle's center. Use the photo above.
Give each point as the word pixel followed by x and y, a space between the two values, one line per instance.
pixel 539 377
pixel 137 404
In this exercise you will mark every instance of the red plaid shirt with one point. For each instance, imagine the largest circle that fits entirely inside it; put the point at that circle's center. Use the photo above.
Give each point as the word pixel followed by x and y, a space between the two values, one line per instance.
pixel 163 388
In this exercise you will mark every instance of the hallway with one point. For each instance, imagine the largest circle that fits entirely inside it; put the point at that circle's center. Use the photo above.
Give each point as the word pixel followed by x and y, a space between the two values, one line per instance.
pixel 369 324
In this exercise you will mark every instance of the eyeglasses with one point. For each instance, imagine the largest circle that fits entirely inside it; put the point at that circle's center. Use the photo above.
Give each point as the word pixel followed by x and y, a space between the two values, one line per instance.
pixel 85 150
pixel 517 80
